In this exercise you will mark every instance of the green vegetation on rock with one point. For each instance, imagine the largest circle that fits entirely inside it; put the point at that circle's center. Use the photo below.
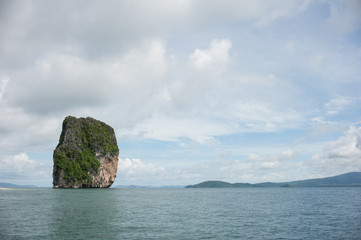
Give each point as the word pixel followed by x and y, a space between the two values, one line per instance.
pixel 80 142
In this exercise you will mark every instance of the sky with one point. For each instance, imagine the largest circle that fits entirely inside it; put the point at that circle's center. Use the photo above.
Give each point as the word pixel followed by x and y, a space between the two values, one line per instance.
pixel 237 91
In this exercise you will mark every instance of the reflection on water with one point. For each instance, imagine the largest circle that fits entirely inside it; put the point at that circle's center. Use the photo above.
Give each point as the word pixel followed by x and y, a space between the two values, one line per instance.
pixel 90 212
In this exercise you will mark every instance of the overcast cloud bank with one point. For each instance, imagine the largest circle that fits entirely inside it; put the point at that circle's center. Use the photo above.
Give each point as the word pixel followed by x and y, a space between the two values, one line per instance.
pixel 195 90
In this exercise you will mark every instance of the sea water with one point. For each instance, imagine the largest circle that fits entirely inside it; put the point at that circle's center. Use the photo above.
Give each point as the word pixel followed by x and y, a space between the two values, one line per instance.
pixel 243 213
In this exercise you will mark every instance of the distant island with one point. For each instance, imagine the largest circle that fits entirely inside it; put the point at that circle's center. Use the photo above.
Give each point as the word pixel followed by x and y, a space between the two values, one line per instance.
pixel 352 179
pixel 148 186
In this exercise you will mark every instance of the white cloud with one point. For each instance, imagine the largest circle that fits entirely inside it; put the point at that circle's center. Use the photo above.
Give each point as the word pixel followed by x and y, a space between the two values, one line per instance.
pixel 269 165
pixel 165 128
pixel 214 59
pixel 21 166
pixel 338 104
pixel 340 156
pixel 3 83
pixel 254 168
pixel 18 163
pixel 262 116
pixel 137 94
pixel 202 128
pixel 202 105
pixel 135 167
pixel 134 171
pixel 285 9
pixel 287 154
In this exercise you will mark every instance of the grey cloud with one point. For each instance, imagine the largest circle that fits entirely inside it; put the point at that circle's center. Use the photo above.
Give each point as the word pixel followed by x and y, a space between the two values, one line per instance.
pixel 96 29
pixel 60 82
pixel 91 29
pixel 129 63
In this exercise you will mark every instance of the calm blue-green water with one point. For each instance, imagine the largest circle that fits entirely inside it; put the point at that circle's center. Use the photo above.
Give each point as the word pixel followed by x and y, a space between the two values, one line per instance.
pixel 261 213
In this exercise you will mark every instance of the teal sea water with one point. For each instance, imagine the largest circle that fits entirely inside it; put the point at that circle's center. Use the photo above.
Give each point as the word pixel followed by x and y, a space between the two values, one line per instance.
pixel 257 213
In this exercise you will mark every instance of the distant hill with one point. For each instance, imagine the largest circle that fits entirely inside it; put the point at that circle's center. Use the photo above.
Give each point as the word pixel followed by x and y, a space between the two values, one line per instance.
pixel 10 185
pixel 352 179
pixel 219 184
pixel 149 186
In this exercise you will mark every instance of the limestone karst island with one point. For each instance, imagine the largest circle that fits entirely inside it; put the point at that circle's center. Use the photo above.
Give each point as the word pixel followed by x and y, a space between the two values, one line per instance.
pixel 86 156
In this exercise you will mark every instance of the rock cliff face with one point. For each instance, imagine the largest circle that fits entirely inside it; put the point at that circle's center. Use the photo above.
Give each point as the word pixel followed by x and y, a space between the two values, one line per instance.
pixel 86 156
